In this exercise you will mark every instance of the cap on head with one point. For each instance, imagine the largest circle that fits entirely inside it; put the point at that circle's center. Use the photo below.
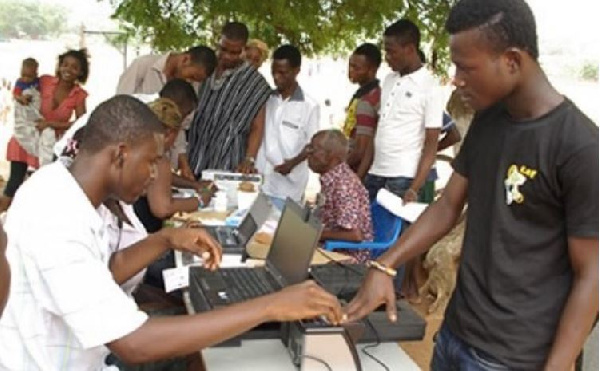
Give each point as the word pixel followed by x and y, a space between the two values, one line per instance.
pixel 261 46
pixel 121 118
pixel 167 112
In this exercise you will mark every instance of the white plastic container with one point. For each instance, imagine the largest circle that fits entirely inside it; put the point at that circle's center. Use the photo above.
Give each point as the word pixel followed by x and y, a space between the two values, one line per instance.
pixel 220 201
pixel 245 199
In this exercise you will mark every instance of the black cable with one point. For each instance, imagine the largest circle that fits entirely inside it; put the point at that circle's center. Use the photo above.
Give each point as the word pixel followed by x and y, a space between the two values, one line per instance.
pixel 318 360
pixel 375 345
pixel 347 268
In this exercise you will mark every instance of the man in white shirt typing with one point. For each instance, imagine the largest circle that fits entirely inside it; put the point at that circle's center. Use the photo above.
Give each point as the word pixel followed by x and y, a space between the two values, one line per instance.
pixel 66 310
pixel 292 118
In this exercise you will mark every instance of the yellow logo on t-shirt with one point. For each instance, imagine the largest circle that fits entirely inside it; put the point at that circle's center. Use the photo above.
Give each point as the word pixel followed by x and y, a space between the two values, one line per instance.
pixel 350 121
pixel 515 178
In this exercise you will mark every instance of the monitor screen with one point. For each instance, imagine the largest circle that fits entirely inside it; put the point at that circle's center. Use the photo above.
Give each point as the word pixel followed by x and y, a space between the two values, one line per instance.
pixel 293 245
pixel 254 218
pixel 247 228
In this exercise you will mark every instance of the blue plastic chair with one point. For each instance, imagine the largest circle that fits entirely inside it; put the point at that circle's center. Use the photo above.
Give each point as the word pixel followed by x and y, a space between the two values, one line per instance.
pixel 386 227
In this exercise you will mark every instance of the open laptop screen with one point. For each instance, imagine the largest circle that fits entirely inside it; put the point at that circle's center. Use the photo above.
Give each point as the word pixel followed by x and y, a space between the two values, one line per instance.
pixel 293 245
pixel 255 217
pixel 247 228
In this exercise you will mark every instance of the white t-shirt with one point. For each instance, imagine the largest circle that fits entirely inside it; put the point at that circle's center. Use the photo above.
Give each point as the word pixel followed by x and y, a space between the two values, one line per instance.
pixel 289 127
pixel 64 304
pixel 409 105
pixel 144 75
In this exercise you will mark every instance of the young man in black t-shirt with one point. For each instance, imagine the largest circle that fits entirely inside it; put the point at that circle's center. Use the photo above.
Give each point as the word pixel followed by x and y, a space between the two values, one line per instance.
pixel 527 289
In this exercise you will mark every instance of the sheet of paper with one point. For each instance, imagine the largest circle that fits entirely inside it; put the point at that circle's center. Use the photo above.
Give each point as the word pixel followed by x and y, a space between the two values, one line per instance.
pixel 216 222
pixel 269 227
pixel 176 278
pixel 232 261
pixel 409 212
pixel 227 261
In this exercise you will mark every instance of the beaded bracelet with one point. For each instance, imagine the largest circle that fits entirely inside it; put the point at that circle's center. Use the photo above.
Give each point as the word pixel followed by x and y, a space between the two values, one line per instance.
pixel 380 267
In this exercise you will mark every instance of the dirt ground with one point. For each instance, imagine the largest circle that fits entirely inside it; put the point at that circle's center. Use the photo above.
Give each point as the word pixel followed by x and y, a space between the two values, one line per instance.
pixel 421 351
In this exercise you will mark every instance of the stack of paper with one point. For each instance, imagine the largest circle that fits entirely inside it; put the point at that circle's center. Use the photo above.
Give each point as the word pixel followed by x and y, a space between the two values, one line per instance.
pixel 394 204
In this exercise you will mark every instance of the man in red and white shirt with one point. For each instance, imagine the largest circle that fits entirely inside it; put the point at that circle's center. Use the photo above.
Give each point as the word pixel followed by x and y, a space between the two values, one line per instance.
pixel 345 211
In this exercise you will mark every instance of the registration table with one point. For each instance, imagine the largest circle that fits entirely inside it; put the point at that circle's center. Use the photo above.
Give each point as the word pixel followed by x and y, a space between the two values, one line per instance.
pixel 271 354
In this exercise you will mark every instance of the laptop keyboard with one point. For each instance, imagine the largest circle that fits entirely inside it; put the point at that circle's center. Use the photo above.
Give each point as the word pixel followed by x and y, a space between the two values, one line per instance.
pixel 234 285
pixel 250 283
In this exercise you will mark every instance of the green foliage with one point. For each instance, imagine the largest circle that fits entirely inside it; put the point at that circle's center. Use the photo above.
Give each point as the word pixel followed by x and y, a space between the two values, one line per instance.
pixel 589 71
pixel 315 26
pixel 30 18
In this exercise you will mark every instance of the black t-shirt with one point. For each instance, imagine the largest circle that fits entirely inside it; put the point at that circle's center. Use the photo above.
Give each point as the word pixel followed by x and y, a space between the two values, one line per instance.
pixel 531 185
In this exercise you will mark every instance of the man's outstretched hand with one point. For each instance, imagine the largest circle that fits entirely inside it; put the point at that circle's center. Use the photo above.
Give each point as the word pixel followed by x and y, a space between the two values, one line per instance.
pixel 377 289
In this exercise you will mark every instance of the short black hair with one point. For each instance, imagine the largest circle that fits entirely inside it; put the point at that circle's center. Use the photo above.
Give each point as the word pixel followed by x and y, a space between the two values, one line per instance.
pixel 371 53
pixel 504 23
pixel 236 31
pixel 121 118
pixel 30 62
pixel 289 53
pixel 179 90
pixel 405 30
pixel 82 56
pixel 203 56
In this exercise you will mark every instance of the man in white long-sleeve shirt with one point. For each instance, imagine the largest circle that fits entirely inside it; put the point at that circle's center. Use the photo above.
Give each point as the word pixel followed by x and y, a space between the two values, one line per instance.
pixel 292 118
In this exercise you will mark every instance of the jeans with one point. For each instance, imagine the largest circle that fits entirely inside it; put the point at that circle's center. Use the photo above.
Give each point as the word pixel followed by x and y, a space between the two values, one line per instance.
pixel 451 353
pixel 397 185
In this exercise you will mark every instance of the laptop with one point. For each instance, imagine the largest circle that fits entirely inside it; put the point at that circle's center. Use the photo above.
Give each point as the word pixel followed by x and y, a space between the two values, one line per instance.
pixel 234 239
pixel 287 263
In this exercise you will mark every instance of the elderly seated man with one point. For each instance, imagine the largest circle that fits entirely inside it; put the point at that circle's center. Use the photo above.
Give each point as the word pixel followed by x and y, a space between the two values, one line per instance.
pixel 344 207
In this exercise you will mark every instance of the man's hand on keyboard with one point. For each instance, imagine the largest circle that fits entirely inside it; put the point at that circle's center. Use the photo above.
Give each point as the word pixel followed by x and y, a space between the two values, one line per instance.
pixel 198 242
pixel 377 289
pixel 304 300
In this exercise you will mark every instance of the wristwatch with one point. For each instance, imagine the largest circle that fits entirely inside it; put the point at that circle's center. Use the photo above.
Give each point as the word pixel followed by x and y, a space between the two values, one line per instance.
pixel 249 159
